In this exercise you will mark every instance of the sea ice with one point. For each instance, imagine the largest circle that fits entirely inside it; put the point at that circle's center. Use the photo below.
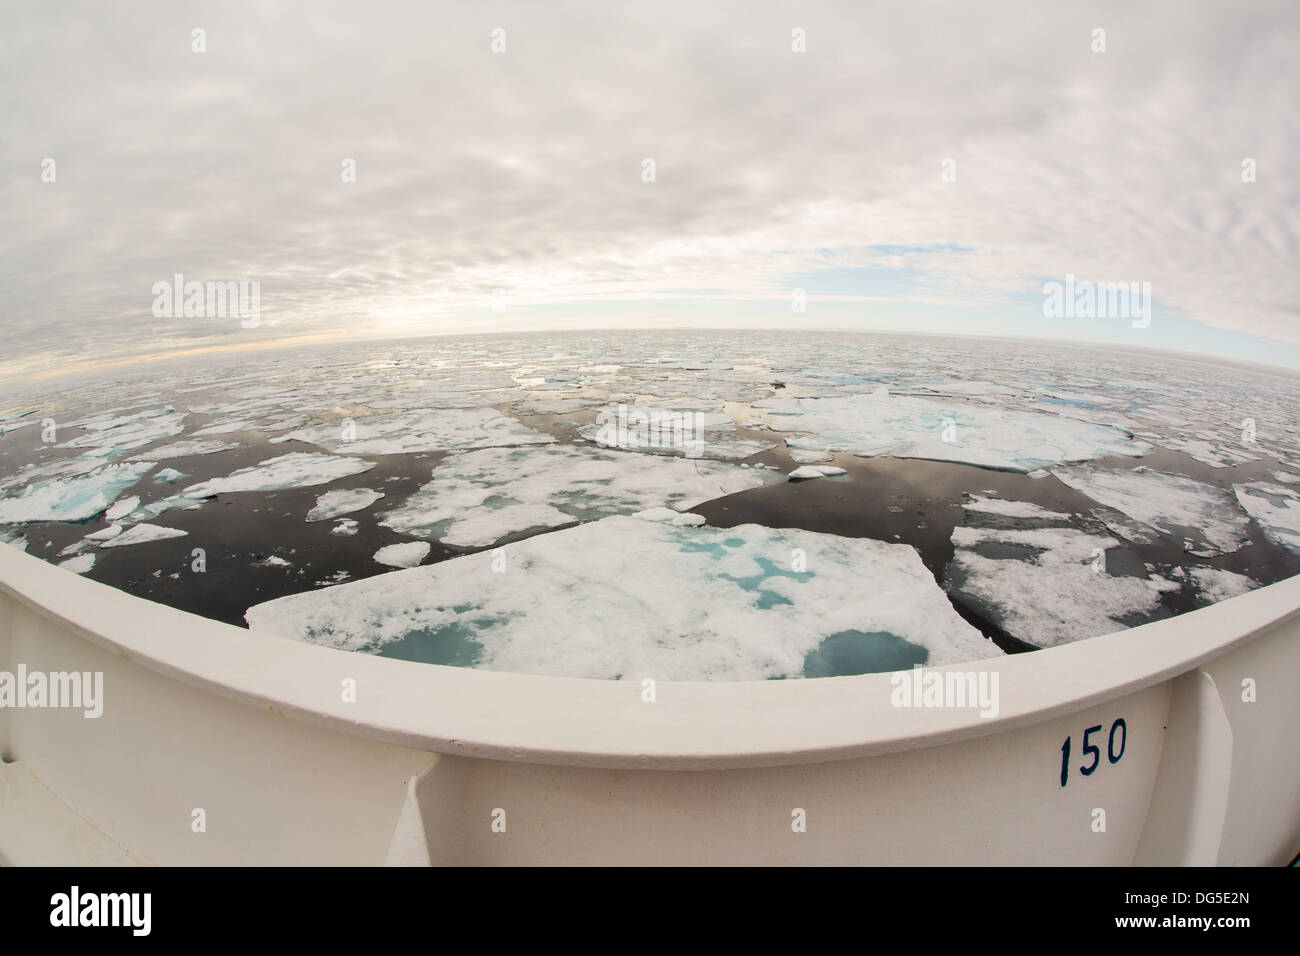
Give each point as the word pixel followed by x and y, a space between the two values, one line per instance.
pixel 408 554
pixel 1011 509
pixel 345 528
pixel 345 501
pixel 72 499
pixel 186 449
pixel 1160 503
pixel 1047 586
pixel 815 471
pixel 1214 585
pixel 631 597
pixel 121 508
pixel 295 470
pixel 1275 509
pixel 903 427
pixel 479 497
pixel 142 533
pixel 129 432
pixel 80 564
pixel 168 476
pixel 421 431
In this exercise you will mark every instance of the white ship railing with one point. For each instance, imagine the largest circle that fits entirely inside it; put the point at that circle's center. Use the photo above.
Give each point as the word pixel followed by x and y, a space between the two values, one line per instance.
pixel 221 746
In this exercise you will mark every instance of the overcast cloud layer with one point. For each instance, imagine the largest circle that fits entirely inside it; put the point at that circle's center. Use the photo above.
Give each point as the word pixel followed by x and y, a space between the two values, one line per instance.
pixel 522 170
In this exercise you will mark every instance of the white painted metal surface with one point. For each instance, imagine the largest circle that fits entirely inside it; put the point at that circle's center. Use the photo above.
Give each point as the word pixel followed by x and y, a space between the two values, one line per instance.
pixel 452 766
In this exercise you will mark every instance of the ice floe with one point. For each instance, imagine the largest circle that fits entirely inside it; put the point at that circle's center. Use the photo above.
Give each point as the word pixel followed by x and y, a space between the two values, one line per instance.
pixel 1012 509
pixel 478 497
pixel 1159 503
pixel 295 470
pixel 408 554
pixel 142 533
pixel 1214 585
pixel 904 427
pixel 345 528
pixel 72 499
pixel 634 597
pixel 80 564
pixel 1047 586
pixel 344 501
pixel 1275 509
pixel 815 471
pixel 420 431
pixel 186 449
pixel 168 476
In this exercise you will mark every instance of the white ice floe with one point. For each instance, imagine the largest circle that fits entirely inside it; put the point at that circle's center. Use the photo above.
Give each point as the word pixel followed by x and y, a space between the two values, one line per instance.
pixel 142 533
pixel 168 476
pixel 1276 510
pixel 672 428
pixel 1048 586
pixel 1011 509
pixel 121 508
pixel 296 470
pixel 104 534
pixel 344 501
pixel 345 528
pixel 273 561
pixel 815 471
pixel 1286 478
pixel 479 497
pixel 625 597
pixel 72 499
pixel 1159 503
pixel 1214 585
pixel 408 554
pixel 187 449
pixel 904 427
pixel 129 432
pixel 80 564
pixel 420 431
pixel 807 455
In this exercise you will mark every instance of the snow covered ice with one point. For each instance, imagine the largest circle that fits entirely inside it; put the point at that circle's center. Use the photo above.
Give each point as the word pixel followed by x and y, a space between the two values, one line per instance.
pixel 296 470
pixel 1161 503
pixel 72 499
pixel 333 504
pixel 477 498
pixel 906 427
pixel 626 597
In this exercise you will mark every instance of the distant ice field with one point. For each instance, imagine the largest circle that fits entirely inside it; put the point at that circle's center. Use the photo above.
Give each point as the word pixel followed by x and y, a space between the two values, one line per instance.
pixel 685 506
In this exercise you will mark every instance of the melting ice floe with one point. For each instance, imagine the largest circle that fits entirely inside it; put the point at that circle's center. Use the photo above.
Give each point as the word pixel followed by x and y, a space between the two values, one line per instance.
pixel 1275 509
pixel 904 427
pixel 408 554
pixel 1011 509
pixel 1214 585
pixel 816 471
pixel 72 499
pixel 127 432
pixel 631 597
pixel 1048 586
pixel 80 564
pixel 478 497
pixel 186 449
pixel 344 501
pixel 142 533
pixel 1159 503
pixel 345 528
pixel 421 431
pixel 296 470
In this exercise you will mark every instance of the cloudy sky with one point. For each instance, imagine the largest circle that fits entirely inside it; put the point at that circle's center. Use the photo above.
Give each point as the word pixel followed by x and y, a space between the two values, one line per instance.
pixel 522 170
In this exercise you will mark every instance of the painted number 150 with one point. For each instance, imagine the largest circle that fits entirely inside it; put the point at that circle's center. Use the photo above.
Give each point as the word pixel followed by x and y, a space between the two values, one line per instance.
pixel 1114 749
